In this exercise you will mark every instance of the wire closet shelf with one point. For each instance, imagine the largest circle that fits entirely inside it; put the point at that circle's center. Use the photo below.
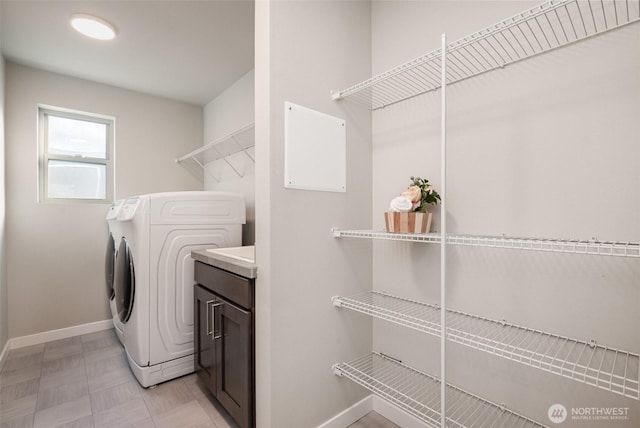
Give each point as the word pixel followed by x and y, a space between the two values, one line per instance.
pixel 238 141
pixel 583 361
pixel 593 247
pixel 540 29
pixel 419 394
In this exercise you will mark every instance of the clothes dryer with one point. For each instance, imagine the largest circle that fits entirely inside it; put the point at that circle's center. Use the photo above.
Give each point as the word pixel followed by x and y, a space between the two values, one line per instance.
pixel 115 234
pixel 155 274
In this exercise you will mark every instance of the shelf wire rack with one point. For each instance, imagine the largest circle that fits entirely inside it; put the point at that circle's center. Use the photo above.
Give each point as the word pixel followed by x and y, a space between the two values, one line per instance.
pixel 604 367
pixel 238 141
pixel 540 29
pixel 418 394
pixel 592 247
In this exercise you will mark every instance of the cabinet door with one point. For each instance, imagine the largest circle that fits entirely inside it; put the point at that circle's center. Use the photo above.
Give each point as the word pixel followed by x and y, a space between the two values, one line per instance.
pixel 203 339
pixel 234 349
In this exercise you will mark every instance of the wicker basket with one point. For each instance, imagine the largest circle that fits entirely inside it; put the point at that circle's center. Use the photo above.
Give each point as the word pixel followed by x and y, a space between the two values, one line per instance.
pixel 413 222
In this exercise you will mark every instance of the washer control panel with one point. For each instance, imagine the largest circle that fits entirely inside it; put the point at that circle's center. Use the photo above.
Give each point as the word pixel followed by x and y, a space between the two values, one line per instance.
pixel 114 210
pixel 129 209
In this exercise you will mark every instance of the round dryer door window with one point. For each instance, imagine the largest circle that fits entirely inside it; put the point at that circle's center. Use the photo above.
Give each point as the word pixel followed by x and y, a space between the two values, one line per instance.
pixel 109 266
pixel 125 282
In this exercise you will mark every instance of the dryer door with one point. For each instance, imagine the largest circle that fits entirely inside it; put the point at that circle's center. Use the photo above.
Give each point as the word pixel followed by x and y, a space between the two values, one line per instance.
pixel 125 282
pixel 109 266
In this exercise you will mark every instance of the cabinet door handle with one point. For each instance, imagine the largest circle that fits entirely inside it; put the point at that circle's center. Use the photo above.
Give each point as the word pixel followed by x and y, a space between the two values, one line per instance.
pixel 208 310
pixel 213 322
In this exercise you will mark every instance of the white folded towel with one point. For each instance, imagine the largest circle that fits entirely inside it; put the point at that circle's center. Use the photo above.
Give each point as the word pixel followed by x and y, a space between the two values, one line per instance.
pixel 400 204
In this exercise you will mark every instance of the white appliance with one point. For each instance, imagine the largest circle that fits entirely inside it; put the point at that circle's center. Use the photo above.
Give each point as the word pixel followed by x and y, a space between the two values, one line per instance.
pixel 113 241
pixel 155 274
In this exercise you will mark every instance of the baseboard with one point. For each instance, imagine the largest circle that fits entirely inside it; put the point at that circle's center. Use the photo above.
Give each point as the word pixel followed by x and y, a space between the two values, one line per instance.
pixel 62 333
pixel 395 415
pixel 377 404
pixel 351 414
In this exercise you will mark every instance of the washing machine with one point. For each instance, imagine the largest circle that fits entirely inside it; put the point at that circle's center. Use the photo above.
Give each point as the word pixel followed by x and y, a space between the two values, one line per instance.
pixel 154 275
pixel 110 261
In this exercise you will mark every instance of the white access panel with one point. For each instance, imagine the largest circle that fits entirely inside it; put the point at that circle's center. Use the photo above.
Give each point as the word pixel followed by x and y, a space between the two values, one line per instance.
pixel 315 150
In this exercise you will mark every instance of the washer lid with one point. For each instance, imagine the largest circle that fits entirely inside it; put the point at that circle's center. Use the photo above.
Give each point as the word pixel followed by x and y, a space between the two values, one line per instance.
pixel 201 207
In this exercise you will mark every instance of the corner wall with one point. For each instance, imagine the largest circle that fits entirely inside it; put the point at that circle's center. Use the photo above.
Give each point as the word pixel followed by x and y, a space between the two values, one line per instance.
pixel 547 147
pixel 233 109
pixel 55 251
pixel 4 307
pixel 304 50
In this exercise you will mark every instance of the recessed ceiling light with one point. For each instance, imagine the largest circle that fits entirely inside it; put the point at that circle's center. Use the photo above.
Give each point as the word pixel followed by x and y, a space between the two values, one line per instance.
pixel 93 27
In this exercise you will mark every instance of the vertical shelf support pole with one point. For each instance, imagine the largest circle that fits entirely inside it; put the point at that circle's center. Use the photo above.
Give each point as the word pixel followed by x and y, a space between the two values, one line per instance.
pixel 443 233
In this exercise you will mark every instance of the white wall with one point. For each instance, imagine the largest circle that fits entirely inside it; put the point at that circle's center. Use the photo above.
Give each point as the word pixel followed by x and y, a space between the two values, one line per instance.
pixel 543 148
pixel 55 252
pixel 303 50
pixel 230 111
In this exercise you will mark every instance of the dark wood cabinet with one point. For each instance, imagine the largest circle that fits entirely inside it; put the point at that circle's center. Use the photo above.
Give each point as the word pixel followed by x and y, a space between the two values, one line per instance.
pixel 224 346
pixel 204 349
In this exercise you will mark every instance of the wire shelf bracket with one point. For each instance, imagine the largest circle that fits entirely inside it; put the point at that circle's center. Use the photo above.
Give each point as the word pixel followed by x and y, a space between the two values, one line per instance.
pixel 418 394
pixel 587 362
pixel 543 28
pixel 575 246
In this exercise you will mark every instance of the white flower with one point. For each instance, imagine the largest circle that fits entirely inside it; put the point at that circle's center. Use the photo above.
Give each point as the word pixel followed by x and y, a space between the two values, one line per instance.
pixel 400 204
pixel 413 193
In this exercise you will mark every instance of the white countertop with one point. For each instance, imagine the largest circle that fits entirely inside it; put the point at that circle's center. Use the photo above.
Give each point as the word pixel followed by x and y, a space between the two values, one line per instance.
pixel 238 260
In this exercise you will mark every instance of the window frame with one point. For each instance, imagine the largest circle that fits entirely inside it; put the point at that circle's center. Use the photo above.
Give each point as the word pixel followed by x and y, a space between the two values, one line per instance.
pixel 44 111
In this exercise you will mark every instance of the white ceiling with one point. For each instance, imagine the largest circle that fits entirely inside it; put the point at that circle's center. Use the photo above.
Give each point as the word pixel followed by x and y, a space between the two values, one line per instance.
pixel 180 49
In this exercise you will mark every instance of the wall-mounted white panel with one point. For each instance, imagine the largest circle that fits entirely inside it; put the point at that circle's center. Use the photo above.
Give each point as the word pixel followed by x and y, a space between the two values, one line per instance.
pixel 315 151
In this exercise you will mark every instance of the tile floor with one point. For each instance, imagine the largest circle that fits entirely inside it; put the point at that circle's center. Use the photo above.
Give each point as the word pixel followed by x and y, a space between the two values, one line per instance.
pixel 373 420
pixel 85 381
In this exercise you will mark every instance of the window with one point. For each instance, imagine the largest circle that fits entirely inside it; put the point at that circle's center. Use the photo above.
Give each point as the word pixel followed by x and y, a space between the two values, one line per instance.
pixel 76 156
